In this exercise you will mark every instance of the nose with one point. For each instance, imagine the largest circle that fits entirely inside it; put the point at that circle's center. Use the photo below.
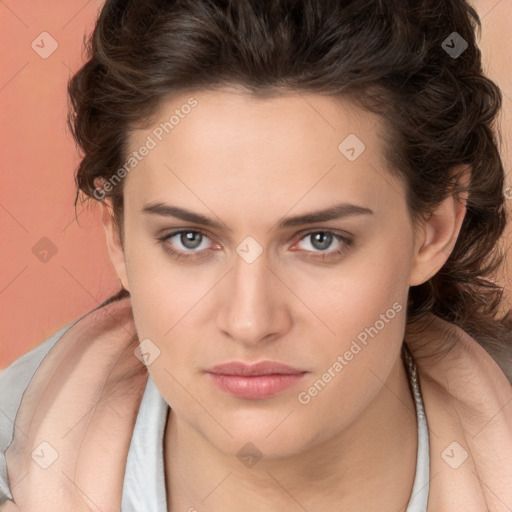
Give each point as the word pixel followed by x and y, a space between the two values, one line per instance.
pixel 255 306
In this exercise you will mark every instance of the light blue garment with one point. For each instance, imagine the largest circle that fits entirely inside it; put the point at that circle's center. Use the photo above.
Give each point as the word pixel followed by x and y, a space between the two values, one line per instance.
pixel 144 481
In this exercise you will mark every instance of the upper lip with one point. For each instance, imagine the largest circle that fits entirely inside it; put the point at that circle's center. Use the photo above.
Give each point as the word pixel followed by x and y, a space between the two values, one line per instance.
pixel 260 368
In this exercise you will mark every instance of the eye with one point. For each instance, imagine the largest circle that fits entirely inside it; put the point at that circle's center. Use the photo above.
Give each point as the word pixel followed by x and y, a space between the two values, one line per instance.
pixel 320 241
pixel 189 240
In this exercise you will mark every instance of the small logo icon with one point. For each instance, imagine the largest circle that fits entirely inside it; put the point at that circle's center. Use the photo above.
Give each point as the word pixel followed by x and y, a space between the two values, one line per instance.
pixel 351 147
pixel 45 455
pixel 454 45
pixel 147 352
pixel 454 455
pixel 44 250
pixel 44 45
pixel 249 454
pixel 249 249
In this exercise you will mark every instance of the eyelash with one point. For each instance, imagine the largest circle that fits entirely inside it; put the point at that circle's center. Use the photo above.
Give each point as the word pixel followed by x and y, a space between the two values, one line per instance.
pixel 197 255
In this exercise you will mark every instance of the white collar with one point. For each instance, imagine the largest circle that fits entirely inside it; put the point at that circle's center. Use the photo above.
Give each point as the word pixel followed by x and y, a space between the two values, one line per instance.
pixel 144 481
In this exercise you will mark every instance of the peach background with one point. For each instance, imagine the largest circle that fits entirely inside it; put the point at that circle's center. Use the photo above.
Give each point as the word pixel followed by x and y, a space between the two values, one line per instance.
pixel 36 186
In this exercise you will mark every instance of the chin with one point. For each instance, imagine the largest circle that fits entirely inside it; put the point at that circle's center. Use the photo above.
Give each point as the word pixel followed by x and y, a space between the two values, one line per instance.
pixel 263 440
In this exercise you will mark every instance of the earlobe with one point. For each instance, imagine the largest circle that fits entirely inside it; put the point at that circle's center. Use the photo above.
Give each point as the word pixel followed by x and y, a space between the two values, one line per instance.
pixel 114 244
pixel 437 237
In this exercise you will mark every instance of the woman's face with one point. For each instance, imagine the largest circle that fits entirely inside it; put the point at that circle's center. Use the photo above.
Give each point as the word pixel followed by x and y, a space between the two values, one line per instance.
pixel 260 277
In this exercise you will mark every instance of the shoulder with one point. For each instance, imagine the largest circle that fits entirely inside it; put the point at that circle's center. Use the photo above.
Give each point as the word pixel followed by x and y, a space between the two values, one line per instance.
pixel 468 405
pixel 14 380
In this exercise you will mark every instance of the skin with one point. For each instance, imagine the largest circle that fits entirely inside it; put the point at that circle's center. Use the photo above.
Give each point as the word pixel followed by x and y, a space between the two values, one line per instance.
pixel 249 163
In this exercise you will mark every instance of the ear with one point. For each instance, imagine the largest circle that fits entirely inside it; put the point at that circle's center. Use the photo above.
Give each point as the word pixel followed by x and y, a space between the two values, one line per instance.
pixel 437 235
pixel 114 244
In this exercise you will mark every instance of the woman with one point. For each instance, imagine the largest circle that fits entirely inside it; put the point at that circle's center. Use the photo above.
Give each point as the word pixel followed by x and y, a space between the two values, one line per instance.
pixel 302 201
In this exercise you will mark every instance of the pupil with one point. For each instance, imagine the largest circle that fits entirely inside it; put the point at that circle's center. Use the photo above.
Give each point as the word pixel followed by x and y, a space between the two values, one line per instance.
pixel 323 238
pixel 187 239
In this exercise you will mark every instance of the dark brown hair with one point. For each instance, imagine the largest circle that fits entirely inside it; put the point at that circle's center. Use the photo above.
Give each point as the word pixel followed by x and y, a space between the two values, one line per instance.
pixel 393 57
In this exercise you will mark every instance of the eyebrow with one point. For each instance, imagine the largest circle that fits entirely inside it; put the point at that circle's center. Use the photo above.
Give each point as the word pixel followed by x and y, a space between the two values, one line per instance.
pixel 338 211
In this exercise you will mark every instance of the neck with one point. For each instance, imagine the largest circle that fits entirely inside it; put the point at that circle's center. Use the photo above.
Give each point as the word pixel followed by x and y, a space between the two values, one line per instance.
pixel 371 462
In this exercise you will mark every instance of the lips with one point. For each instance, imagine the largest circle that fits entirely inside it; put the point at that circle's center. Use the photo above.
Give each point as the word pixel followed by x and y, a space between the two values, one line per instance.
pixel 261 368
pixel 254 381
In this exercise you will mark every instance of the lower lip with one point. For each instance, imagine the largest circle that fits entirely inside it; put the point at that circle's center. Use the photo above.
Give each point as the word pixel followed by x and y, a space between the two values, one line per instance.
pixel 256 387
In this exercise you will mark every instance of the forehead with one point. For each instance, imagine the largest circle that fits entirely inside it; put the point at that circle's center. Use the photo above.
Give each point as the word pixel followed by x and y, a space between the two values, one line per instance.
pixel 287 149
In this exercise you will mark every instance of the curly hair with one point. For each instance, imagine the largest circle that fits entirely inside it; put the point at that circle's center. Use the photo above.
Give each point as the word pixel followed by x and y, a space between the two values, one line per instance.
pixel 392 57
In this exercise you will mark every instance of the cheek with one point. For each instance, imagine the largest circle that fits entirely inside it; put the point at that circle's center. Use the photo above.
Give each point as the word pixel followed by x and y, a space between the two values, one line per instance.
pixel 161 290
pixel 162 305
pixel 366 308
pixel 354 362
pixel 167 305
pixel 353 295
pixel 362 307
pixel 165 311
